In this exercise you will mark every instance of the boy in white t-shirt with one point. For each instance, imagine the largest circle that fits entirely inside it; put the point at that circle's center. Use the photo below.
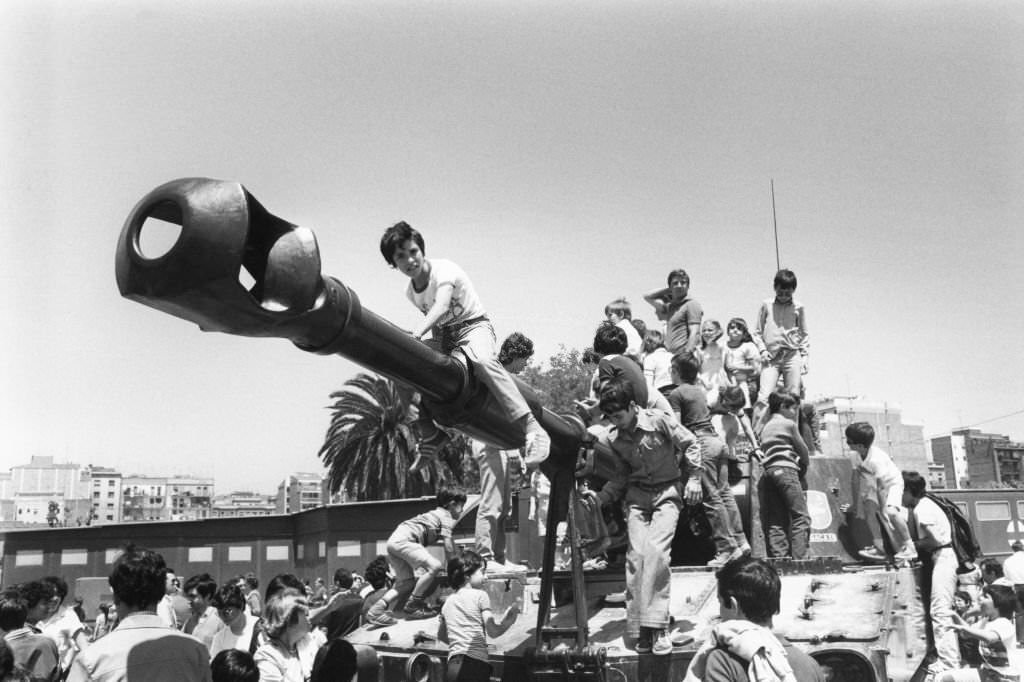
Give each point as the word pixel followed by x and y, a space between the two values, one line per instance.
pixel 996 637
pixel 455 318
pixel 933 537
pixel 883 486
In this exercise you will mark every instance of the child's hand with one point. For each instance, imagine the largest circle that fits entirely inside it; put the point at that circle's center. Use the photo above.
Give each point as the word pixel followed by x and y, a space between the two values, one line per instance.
pixel 692 493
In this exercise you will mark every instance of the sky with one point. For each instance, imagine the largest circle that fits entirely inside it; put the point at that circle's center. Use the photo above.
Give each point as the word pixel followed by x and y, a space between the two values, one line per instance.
pixel 565 154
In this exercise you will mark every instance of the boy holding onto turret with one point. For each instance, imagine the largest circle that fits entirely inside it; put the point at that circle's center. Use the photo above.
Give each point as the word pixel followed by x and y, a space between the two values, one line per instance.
pixel 781 336
pixel 455 318
pixel 884 477
pixel 650 446
pixel 407 552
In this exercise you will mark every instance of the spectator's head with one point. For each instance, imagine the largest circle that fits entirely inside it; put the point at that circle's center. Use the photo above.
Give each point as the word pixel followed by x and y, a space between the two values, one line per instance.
pixel 686 369
pixel 336 661
pixel 199 590
pixel 283 581
pixel 749 588
pixel 138 579
pixel 738 332
pixel 653 339
pixel 232 665
pixel 376 573
pixel 39 597
pixel 640 326
pixel 991 570
pixel 13 609
pixel 710 332
pixel 516 351
pixel 617 401
pixel 859 437
pixel 1017 546
pixel 251 581
pixel 678 277
pixel 60 588
pixel 452 498
pixel 998 601
pixel 286 617
pixel 914 488
pixel 171 582
pixel 619 309
pixel 343 579
pixel 783 402
pixel 589 357
pixel 104 608
pixel 962 601
pixel 398 236
pixel 785 285
pixel 229 602
pixel 462 568
pixel 732 398
pixel 610 340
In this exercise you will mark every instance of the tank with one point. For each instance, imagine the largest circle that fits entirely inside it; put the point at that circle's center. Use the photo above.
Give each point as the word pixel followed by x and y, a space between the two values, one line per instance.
pixel 856 622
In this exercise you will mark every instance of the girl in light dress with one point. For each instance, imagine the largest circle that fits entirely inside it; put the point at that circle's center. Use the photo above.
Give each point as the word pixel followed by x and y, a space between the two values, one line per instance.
pixel 741 359
pixel 712 359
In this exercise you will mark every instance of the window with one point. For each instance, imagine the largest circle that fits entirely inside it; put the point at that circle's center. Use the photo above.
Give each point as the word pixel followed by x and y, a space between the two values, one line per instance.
pixel 349 548
pixel 992 511
pixel 240 553
pixel 1020 509
pixel 200 554
pixel 96 494
pixel 321 549
pixel 300 552
pixel 110 495
pixel 74 557
pixel 277 552
pixel 28 557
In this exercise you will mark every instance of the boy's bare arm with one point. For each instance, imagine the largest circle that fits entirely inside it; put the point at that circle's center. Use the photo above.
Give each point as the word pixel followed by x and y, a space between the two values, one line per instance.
pixel 659 299
pixel 442 303
pixel 497 629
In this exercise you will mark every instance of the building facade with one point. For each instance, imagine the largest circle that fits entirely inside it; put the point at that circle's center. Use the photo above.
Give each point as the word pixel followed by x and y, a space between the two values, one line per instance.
pixel 299 492
pixel 243 503
pixel 971 458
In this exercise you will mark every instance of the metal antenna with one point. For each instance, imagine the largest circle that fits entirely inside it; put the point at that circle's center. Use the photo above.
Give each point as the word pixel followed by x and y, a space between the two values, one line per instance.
pixel 775 226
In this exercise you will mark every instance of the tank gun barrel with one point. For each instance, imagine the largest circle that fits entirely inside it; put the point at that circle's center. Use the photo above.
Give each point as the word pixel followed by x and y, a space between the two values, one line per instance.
pixel 224 230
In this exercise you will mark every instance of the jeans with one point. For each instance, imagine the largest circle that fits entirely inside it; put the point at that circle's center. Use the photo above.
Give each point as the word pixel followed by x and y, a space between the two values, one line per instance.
pixel 785 363
pixel 651 518
pixel 938 585
pixel 494 500
pixel 719 504
pixel 787 524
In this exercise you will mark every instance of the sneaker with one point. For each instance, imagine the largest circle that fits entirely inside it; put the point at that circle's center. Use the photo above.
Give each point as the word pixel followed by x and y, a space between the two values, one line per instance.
pixel 738 553
pixel 643 643
pixel 721 559
pixel 662 645
pixel 745 549
pixel 381 621
pixel 871 554
pixel 906 555
pixel 538 442
pixel 419 613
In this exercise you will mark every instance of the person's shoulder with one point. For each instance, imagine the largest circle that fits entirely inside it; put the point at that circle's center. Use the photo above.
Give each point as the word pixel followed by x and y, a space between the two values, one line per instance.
pixel 805 668
pixel 725 666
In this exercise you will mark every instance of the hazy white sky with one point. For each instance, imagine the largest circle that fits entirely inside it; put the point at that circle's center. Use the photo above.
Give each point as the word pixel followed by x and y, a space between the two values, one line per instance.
pixel 564 154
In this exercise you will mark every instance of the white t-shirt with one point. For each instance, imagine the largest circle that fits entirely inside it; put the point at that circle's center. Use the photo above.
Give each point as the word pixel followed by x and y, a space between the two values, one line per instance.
pixel 879 465
pixel 1013 568
pixel 658 369
pixel 634 344
pixel 996 655
pixel 62 627
pixel 932 520
pixel 465 303
pixel 463 616
pixel 226 639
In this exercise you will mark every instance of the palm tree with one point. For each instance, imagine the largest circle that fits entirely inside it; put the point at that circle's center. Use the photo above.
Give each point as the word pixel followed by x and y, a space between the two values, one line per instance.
pixel 370 443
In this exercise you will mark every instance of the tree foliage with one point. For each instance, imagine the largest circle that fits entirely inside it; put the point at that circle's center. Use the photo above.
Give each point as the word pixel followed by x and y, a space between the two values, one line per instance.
pixel 561 381
pixel 370 444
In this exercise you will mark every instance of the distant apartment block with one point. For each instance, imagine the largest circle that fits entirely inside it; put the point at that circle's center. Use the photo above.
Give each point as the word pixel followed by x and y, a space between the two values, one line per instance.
pixel 42 483
pixel 971 458
pixel 163 498
pixel 299 492
pixel 105 495
pixel 903 441
pixel 243 504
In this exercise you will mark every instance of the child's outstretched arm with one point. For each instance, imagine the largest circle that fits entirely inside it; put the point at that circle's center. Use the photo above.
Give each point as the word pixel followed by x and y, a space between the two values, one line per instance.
pixel 498 628
pixel 442 304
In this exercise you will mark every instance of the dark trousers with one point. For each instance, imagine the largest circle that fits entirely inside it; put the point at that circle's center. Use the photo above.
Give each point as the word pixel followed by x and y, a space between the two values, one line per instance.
pixel 462 668
pixel 787 524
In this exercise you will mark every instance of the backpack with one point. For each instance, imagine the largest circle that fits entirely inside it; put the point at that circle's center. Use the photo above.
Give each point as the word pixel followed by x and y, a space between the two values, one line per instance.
pixel 965 542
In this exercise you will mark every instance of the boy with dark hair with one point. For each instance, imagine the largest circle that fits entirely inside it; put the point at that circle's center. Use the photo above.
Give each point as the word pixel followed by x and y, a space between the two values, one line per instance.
pixel 650 447
pixel 690 404
pixel 34 654
pixel 780 334
pixel 681 313
pixel 456 318
pixel 203 622
pixel 494 464
pixel 933 536
pixel 38 596
pixel 880 475
pixel 238 623
pixel 996 637
pixel 141 647
pixel 783 505
pixel 748 597
pixel 407 551
pixel 63 625
pixel 345 606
